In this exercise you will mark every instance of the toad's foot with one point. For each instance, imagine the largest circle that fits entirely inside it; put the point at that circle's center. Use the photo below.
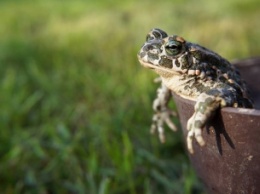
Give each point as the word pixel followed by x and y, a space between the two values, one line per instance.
pixel 205 108
pixel 194 130
pixel 162 113
pixel 161 117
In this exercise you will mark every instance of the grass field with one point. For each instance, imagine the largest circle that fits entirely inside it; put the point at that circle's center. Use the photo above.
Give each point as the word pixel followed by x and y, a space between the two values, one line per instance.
pixel 75 105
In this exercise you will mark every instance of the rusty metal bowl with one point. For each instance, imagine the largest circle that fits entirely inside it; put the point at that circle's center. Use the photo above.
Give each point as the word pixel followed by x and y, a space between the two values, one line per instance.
pixel 230 161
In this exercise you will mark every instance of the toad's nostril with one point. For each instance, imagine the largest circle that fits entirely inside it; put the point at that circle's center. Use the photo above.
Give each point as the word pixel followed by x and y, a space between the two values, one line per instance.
pixel 141 54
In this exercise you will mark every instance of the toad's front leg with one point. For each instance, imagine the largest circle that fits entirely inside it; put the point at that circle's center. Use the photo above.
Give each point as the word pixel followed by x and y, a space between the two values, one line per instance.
pixel 162 113
pixel 205 107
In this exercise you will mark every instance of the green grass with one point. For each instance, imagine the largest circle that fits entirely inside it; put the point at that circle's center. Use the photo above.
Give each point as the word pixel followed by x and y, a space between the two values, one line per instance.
pixel 75 105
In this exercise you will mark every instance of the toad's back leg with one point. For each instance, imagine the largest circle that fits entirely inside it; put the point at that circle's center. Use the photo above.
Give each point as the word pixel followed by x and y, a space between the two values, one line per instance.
pixel 206 105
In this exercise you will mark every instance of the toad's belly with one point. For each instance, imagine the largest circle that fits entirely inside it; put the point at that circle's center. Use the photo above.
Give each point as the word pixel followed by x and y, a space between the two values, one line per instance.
pixel 181 87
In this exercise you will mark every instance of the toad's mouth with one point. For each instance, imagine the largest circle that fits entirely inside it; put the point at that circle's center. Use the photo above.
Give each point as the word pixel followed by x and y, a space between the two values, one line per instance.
pixel 155 67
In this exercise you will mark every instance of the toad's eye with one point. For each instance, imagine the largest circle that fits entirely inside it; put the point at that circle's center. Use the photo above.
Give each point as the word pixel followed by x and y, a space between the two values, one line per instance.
pixel 173 48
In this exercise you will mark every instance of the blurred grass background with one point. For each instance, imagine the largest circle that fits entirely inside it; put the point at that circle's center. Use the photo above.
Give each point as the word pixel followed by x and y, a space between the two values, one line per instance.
pixel 75 105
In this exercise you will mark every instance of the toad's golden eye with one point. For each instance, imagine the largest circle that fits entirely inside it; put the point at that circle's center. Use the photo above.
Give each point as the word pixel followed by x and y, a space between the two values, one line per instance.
pixel 173 48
